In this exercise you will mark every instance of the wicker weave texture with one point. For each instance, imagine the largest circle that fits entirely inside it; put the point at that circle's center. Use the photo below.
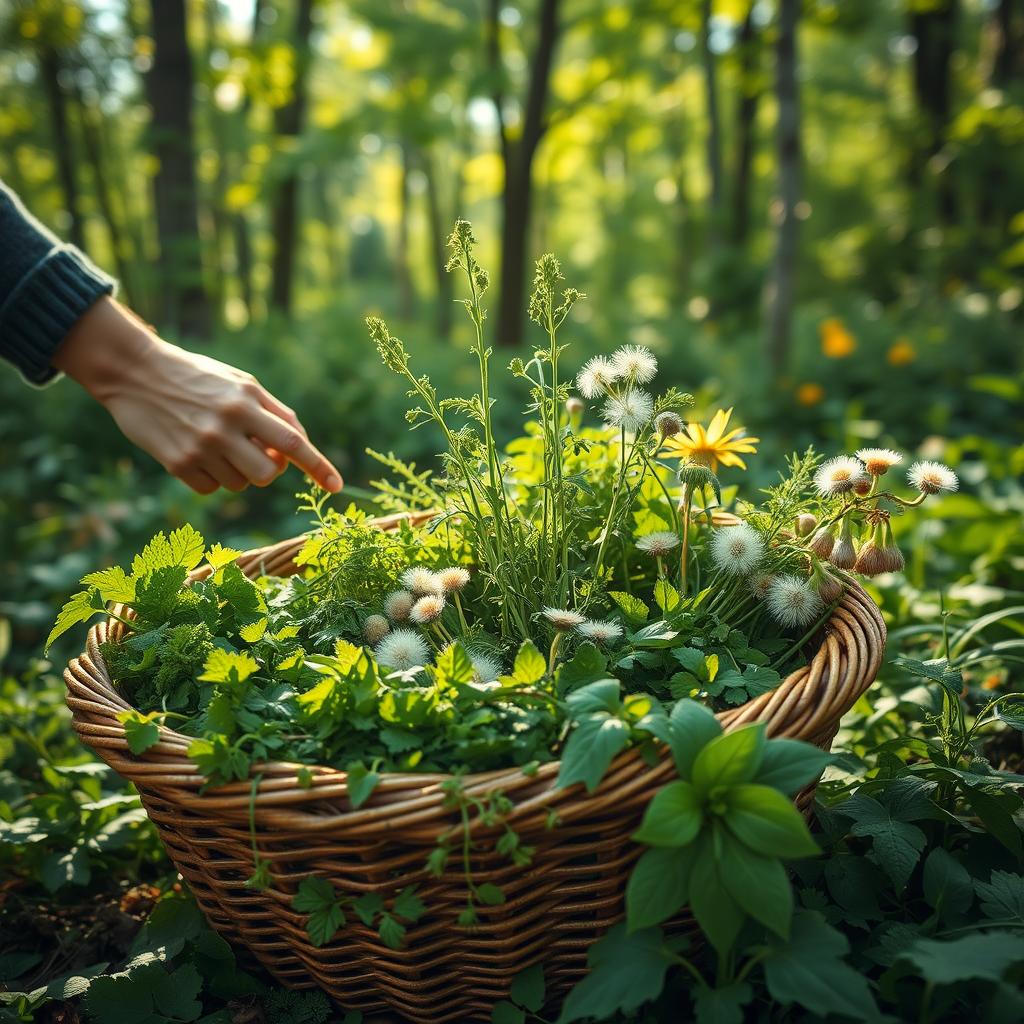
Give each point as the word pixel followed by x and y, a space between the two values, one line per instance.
pixel 554 910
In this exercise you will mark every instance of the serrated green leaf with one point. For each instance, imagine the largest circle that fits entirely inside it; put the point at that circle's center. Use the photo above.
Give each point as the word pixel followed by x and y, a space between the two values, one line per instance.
pixel 228 667
pixel 530 666
pixel 141 731
pixel 408 905
pixel 113 584
pixel 78 608
pixel 632 607
pixel 391 931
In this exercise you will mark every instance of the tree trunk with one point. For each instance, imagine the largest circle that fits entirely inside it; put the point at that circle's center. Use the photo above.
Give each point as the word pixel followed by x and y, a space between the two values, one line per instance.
pixel 749 47
pixel 934 29
pixel 89 117
pixel 438 259
pixel 288 122
pixel 517 156
pixel 1007 28
pixel 714 135
pixel 49 71
pixel 169 88
pixel 782 283
pixel 403 275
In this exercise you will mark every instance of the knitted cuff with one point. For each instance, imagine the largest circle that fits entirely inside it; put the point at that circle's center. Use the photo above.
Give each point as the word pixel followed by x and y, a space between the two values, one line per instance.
pixel 43 308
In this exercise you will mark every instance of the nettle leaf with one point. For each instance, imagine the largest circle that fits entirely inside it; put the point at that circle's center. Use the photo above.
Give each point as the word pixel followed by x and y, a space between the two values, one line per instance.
pixel 692 727
pixel 157 593
pixel 316 897
pixel 392 932
pixel 656 635
pixel 672 818
pixel 368 906
pixel 114 584
pixel 254 631
pixel 408 905
pixel 983 956
pixel 219 556
pixel 947 885
pixel 183 548
pixel 895 845
pixel 938 670
pixel 1011 711
pixel 810 970
pixel 141 731
pixel 626 971
pixel 587 666
pixel 489 894
pixel 530 666
pixel 632 607
pixel 1002 897
pixel 729 759
pixel 666 596
pixel 658 886
pixel 228 667
pixel 789 765
pixel 78 608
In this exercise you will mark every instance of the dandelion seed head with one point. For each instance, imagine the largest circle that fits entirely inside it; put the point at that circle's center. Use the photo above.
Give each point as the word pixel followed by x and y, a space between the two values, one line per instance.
pixel 600 632
pixel 421 580
pixel 562 619
pixel 838 476
pixel 736 550
pixel 792 602
pixel 878 461
pixel 659 543
pixel 635 363
pixel 427 609
pixel 932 478
pixel 486 667
pixel 453 579
pixel 375 628
pixel 630 410
pixel 597 375
pixel 402 650
pixel 668 424
pixel 397 605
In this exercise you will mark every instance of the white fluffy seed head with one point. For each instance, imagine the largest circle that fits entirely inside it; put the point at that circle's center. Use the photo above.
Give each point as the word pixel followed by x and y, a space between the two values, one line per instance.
pixel 632 409
pixel 792 602
pixel 453 579
pixel 635 363
pixel 397 605
pixel 486 667
pixel 596 377
pixel 668 424
pixel 427 609
pixel 402 650
pixel 564 620
pixel 600 632
pixel 421 580
pixel 932 478
pixel 659 543
pixel 878 461
pixel 375 628
pixel 838 475
pixel 736 550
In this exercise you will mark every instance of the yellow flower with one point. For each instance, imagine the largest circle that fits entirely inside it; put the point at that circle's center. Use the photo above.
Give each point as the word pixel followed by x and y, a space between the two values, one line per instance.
pixel 712 446
pixel 901 353
pixel 809 394
pixel 836 341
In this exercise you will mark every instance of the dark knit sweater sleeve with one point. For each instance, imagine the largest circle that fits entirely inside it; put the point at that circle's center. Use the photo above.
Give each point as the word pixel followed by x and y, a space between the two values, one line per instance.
pixel 45 286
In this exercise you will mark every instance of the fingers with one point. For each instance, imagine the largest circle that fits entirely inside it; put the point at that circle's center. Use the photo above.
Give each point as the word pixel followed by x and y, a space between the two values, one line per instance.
pixel 198 479
pixel 280 410
pixel 253 462
pixel 272 431
pixel 225 473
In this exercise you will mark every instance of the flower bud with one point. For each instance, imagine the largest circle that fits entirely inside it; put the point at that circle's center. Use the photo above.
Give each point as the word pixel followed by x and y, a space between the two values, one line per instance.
pixel 843 555
pixel 824 584
pixel 823 541
pixel 805 524
pixel 667 424
pixel 872 559
pixel 862 486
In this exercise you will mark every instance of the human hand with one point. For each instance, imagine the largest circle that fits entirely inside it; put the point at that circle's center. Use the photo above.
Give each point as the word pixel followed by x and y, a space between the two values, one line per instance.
pixel 205 422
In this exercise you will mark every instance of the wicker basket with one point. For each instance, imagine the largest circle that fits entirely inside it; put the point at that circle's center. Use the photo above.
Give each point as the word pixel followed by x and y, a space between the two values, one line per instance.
pixel 555 909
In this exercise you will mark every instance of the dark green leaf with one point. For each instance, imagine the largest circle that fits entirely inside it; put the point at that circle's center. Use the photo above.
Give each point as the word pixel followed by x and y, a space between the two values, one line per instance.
pixel 658 886
pixel 672 818
pixel 768 823
pixel 693 726
pixel 721 1005
pixel 789 765
pixel 730 759
pixel 528 988
pixel 757 884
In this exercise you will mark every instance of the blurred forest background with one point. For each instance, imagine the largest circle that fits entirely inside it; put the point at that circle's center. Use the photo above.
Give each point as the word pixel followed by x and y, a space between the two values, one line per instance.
pixel 813 211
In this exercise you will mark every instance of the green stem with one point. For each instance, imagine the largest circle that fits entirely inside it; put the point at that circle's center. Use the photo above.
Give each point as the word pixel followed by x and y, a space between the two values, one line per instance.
pixel 684 557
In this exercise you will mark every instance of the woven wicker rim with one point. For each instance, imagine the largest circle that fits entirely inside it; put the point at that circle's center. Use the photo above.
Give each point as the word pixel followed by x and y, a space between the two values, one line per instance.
pixel 806 705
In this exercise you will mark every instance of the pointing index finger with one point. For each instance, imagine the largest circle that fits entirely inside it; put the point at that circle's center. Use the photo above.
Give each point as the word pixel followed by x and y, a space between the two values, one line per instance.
pixel 296 448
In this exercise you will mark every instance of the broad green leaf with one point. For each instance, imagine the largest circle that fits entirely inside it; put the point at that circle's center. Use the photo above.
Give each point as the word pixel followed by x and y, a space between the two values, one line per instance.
pixel 633 608
pixel 587 666
pixel 313 894
pixel 947 885
pixel 186 545
pixel 626 971
pixel 176 993
pixel 219 556
pixel 810 971
pixel 655 636
pixel 528 988
pixel 507 1013
pixel 70 868
pixel 896 845
pixel 717 913
pixel 1002 897
pixel 729 759
pixel 361 782
pixel 721 1005
pixel 658 886
pixel 789 765
pixel 602 695
pixel 119 1000
pixel 453 667
pixel 228 667
pixel 984 956
pixel 672 818
pixel 767 822
pixel 113 584
pixel 591 747
pixel 78 608
pixel 530 666
pixel 408 905
pixel 758 885
pixel 392 932
pixel 666 596
pixel 489 894
pixel 692 727
pixel 998 813
pixel 316 897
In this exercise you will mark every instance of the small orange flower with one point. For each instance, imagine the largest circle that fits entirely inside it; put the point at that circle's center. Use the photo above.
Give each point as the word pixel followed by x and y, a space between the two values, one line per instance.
pixel 901 353
pixel 836 341
pixel 809 394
